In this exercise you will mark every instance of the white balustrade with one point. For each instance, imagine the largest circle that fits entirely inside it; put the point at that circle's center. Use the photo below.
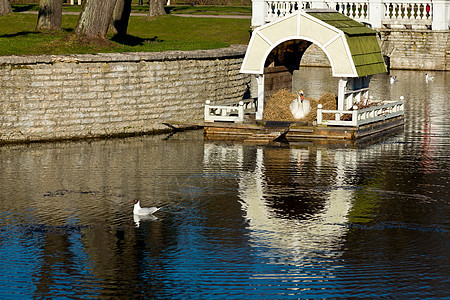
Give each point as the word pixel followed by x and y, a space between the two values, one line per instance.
pixel 418 13
pixel 389 109
pixel 234 112
pixel 357 9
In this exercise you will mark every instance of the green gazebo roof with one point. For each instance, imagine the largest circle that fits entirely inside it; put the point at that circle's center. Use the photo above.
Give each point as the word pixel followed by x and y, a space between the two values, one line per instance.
pixel 361 40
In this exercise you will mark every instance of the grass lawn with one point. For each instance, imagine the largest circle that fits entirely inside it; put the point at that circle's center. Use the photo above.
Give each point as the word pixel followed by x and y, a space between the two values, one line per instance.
pixel 18 36
pixel 175 9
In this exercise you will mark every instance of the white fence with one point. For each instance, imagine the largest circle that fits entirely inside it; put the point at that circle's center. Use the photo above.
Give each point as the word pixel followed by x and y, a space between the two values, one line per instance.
pixel 432 14
pixel 363 116
pixel 357 117
pixel 229 113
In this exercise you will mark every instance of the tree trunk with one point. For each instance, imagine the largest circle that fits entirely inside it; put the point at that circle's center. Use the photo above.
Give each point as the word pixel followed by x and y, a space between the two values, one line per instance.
pixel 156 8
pixel 50 14
pixel 5 7
pixel 95 18
pixel 121 16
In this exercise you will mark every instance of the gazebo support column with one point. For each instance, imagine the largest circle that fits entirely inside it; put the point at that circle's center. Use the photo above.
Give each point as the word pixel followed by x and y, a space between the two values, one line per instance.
pixel 341 92
pixel 260 101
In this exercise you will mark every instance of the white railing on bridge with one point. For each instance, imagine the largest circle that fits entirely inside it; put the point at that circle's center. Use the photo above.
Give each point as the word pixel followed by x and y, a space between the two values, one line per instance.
pixel 358 117
pixel 432 14
pixel 234 112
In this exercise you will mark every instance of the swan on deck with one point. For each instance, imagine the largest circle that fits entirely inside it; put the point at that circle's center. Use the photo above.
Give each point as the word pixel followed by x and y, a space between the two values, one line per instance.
pixel 300 107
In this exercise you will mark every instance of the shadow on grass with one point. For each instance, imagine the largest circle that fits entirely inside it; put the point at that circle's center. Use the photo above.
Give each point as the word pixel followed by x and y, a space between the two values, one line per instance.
pixel 18 34
pixel 130 40
pixel 63 31
pixel 22 8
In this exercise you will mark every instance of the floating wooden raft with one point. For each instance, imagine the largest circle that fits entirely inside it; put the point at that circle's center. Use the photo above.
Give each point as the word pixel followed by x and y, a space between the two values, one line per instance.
pixel 294 133
pixel 266 133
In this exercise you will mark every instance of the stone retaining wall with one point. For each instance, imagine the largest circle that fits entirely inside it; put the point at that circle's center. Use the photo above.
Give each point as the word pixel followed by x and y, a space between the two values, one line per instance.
pixel 406 49
pixel 52 97
pixel 416 49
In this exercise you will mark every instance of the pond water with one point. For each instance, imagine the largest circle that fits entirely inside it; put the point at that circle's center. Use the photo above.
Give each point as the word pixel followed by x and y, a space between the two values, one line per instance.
pixel 236 221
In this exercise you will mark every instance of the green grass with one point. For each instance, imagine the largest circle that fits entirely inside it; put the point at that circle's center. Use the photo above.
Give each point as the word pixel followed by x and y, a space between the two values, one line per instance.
pixel 18 36
pixel 175 9
pixel 211 10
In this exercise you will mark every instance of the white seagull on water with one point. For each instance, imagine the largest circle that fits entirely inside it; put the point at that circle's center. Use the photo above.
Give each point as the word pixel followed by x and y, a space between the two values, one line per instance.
pixel 143 211
pixel 428 77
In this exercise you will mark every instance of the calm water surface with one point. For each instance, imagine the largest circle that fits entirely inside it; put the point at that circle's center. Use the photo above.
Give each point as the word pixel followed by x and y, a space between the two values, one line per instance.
pixel 237 221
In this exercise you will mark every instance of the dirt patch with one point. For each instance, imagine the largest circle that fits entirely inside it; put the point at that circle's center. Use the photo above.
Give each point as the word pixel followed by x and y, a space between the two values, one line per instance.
pixel 277 107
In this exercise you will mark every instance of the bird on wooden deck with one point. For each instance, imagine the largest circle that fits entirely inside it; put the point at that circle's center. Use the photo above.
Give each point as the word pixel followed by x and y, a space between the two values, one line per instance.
pixel 300 107
pixel 428 77
pixel 143 211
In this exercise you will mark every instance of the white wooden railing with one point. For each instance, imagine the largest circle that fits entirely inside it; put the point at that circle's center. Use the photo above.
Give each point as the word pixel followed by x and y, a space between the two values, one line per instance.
pixel 358 117
pixel 432 14
pixel 234 112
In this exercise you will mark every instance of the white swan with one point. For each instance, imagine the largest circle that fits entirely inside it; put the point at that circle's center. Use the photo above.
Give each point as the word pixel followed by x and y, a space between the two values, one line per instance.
pixel 428 77
pixel 300 107
pixel 143 211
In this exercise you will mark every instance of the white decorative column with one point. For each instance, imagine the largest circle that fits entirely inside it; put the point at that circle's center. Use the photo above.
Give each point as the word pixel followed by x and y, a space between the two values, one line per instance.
pixel 260 101
pixel 341 92
pixel 441 11
pixel 376 13
pixel 258 12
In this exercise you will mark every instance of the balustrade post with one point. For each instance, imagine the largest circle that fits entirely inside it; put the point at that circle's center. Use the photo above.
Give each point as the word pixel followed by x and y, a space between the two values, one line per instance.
pixel 355 115
pixel 319 114
pixel 241 112
pixel 376 13
pixel 207 103
pixel 318 4
pixel 440 14
pixel 258 13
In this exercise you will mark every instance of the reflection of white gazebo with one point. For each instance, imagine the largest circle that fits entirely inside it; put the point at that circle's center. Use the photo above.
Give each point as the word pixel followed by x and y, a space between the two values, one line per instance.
pixel 323 231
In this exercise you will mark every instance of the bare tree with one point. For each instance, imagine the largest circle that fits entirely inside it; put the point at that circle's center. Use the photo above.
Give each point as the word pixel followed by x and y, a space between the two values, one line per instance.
pixel 121 16
pixel 95 18
pixel 156 8
pixel 5 7
pixel 50 14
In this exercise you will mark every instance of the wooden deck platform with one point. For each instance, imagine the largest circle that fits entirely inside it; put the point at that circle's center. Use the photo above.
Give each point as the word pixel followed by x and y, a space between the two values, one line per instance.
pixel 296 133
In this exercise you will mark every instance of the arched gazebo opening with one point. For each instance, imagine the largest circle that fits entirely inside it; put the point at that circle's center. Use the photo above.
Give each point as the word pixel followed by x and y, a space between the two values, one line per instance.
pixel 280 65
